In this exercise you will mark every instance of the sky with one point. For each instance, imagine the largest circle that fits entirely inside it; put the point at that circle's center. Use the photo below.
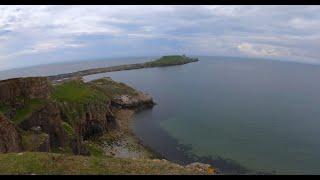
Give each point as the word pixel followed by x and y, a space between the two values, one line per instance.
pixel 32 35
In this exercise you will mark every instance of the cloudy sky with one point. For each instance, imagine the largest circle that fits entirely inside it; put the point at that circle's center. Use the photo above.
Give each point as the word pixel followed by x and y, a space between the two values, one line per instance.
pixel 31 35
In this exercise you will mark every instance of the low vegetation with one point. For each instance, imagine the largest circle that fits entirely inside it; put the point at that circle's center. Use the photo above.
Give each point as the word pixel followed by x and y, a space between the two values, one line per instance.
pixel 29 107
pixel 112 88
pixel 68 129
pixel 95 149
pixel 62 164
pixel 4 109
pixel 73 96
pixel 75 91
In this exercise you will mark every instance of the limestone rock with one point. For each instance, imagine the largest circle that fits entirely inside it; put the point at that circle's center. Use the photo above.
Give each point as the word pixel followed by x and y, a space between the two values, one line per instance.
pixel 10 139
pixel 133 101
pixel 14 91
pixel 47 120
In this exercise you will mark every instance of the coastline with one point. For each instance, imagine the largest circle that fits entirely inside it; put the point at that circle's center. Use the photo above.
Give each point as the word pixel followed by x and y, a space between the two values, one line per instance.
pixel 162 62
pixel 123 142
pixel 129 116
pixel 94 119
pixel 126 145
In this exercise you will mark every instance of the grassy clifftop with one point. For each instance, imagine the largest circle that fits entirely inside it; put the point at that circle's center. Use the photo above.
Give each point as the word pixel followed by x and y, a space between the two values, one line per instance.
pixel 61 164
pixel 76 91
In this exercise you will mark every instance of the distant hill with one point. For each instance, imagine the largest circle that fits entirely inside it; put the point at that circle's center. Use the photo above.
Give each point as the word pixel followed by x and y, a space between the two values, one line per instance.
pixel 171 60
pixel 163 61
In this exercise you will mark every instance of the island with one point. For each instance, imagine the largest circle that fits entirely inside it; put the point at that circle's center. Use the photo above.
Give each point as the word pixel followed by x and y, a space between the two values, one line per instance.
pixel 49 126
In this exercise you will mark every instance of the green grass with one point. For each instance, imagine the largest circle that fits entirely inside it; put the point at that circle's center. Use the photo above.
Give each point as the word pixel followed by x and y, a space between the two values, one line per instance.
pixel 171 60
pixel 30 106
pixel 61 164
pixel 74 96
pixel 77 91
pixel 69 130
pixel 32 141
pixel 94 149
pixel 112 88
pixel 4 109
pixel 73 91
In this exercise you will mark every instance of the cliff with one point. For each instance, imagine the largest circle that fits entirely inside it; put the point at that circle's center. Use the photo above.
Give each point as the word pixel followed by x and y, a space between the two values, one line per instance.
pixel 47 120
pixel 14 91
pixel 26 104
pixel 37 116
pixel 10 139
pixel 71 118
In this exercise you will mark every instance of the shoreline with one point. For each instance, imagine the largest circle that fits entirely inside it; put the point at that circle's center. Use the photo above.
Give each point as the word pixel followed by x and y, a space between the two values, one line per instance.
pixel 124 143
pixel 220 165
pixel 126 119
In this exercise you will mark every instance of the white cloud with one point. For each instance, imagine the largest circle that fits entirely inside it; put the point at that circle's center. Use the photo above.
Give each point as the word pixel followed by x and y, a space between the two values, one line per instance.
pixel 46 46
pixel 251 30
pixel 262 50
pixel 302 23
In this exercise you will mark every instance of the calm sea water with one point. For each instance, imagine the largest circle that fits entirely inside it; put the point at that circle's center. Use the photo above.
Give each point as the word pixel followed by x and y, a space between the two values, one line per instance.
pixel 237 114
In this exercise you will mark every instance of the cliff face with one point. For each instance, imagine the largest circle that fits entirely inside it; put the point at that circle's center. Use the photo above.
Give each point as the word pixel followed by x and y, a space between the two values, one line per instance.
pixel 91 122
pixel 48 120
pixel 96 120
pixel 89 107
pixel 10 139
pixel 41 117
pixel 13 90
pixel 26 105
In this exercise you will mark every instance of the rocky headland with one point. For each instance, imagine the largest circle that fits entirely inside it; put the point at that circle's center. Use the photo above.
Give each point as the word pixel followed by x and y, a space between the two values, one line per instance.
pixel 163 61
pixel 73 117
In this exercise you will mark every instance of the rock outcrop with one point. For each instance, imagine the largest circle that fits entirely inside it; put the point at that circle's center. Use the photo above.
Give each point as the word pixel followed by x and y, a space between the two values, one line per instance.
pixel 10 139
pixel 26 104
pixel 42 117
pixel 14 91
pixel 96 120
pixel 138 101
pixel 49 120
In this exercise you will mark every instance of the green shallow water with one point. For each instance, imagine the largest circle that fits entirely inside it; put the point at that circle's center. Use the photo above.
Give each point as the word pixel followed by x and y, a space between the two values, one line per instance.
pixel 263 115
